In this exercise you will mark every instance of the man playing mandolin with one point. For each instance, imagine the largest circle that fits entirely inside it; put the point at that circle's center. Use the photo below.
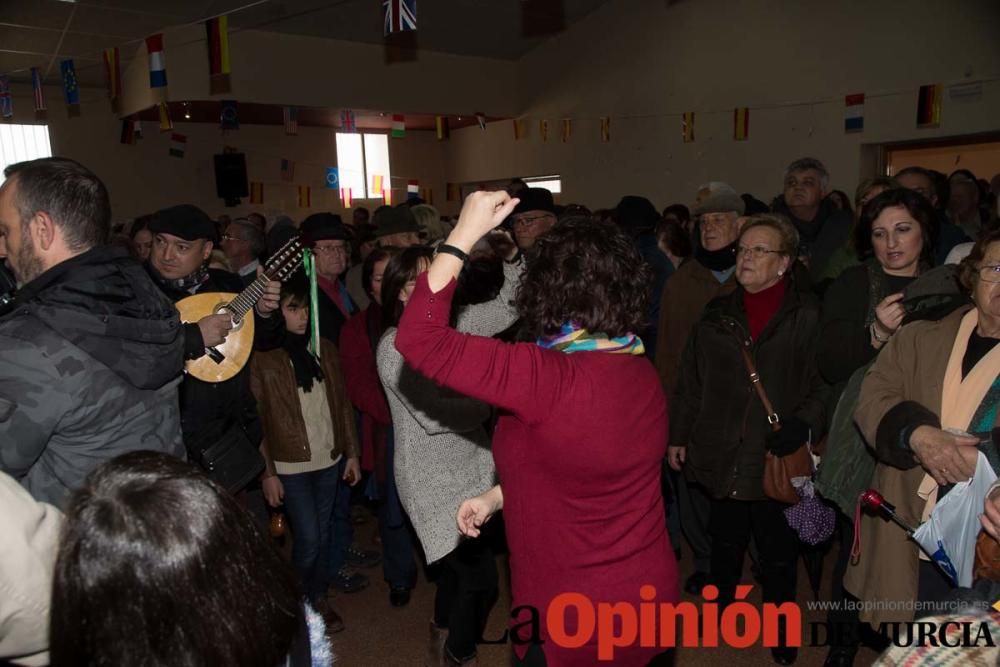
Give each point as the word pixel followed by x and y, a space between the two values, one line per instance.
pixel 221 412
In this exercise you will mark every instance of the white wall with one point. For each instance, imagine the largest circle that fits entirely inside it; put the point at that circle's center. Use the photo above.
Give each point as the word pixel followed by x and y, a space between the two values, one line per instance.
pixel 644 63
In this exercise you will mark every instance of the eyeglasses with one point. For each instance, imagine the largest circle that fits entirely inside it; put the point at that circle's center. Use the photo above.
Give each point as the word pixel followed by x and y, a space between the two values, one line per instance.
pixel 330 249
pixel 524 222
pixel 990 273
pixel 754 253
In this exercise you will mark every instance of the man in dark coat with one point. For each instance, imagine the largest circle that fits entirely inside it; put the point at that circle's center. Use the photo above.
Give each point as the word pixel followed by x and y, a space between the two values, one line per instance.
pixel 91 353
pixel 182 244
pixel 328 237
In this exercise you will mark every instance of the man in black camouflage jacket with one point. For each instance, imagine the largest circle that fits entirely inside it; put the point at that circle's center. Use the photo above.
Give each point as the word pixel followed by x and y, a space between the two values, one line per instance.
pixel 91 353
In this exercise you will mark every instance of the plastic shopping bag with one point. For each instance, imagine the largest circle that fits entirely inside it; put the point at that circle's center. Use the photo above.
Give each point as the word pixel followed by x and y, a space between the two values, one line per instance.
pixel 949 535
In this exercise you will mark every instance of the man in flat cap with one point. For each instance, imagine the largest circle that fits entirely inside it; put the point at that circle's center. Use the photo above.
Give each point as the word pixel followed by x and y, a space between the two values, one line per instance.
pixel 91 354
pixel 328 236
pixel 183 238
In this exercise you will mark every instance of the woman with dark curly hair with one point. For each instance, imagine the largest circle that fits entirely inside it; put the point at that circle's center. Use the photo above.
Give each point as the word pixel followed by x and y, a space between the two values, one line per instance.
pixel 582 428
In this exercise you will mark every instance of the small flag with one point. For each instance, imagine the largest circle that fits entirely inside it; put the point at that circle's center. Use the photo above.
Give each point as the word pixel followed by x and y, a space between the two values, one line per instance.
pixel 6 103
pixel 178 142
pixel 741 123
pixel 518 129
pixel 157 65
pixel 543 129
pixel 481 119
pixel 398 126
pixel 854 113
pixel 287 170
pixel 400 16
pixel 304 196
pixel 291 120
pixel 453 192
pixel 412 189
pixel 687 126
pixel 70 87
pixel 113 75
pixel 376 186
pixel 567 129
pixel 256 192
pixel 387 196
pixel 138 129
pixel 427 194
pixel 347 123
pixel 345 197
pixel 38 90
pixel 333 178
pixel 929 106
pixel 217 30
pixel 605 129
pixel 229 119
pixel 165 123
pixel 128 132
pixel 443 131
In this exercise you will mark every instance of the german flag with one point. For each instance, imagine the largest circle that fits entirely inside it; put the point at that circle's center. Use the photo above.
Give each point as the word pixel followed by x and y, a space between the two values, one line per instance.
pixel 929 106
pixel 218 54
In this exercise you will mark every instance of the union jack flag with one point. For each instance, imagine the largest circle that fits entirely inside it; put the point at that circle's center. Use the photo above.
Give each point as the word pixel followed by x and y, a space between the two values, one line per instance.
pixel 400 15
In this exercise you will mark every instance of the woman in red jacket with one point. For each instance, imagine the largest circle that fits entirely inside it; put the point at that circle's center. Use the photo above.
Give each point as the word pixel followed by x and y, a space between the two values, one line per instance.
pixel 582 431
pixel 358 340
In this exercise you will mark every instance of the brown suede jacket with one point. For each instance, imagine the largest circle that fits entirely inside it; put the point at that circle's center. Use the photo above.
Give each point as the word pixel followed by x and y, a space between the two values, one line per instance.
pixel 272 380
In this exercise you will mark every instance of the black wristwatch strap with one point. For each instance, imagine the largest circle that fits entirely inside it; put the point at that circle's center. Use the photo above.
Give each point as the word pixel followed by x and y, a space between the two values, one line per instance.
pixel 451 250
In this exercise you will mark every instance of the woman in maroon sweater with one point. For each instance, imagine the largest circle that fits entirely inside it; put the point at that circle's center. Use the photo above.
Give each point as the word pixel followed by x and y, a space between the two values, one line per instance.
pixel 582 430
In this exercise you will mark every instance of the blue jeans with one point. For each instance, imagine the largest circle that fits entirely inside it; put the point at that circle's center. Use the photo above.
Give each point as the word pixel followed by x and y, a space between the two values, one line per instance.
pixel 317 553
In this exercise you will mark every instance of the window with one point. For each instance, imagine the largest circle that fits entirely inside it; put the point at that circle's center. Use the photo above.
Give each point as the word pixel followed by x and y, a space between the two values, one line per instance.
pixel 551 183
pixel 360 158
pixel 23 142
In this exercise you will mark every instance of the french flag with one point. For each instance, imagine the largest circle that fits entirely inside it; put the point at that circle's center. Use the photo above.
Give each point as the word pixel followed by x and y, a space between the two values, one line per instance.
pixel 157 65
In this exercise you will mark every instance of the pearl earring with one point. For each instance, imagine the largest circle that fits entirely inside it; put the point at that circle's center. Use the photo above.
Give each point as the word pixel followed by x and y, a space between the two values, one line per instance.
pixel 780 273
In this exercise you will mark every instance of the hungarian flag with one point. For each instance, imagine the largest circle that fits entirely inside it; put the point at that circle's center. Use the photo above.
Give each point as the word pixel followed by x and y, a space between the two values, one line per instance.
pixel 157 65
pixel 481 119
pixel 256 192
pixel 741 123
pixel 37 90
pixel 304 196
pixel 218 54
pixel 113 75
pixel 178 142
pixel 400 16
pixel 398 126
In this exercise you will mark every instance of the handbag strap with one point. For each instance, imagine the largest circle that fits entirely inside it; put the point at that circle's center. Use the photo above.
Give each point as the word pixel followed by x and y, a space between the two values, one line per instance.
pixel 772 416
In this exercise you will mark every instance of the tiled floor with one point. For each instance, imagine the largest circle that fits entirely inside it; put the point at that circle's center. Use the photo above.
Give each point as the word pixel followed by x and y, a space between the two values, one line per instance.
pixel 377 634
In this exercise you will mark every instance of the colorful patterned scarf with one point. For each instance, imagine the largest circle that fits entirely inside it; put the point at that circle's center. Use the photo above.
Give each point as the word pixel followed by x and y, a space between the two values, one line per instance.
pixel 572 338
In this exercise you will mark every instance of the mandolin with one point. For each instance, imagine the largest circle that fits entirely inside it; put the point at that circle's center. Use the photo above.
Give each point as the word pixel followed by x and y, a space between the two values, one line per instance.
pixel 223 361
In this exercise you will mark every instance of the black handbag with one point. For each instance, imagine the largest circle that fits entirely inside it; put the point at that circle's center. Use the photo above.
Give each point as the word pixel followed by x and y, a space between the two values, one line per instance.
pixel 232 461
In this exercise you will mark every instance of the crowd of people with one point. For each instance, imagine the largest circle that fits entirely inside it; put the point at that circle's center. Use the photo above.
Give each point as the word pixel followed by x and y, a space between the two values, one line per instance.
pixel 611 382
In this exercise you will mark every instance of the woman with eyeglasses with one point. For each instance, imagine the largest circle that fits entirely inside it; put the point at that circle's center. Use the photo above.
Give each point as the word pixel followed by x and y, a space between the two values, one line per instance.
pixel 722 423
pixel 933 384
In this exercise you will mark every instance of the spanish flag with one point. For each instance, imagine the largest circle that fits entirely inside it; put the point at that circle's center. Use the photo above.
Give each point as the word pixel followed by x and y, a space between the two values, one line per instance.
pixel 218 54
pixel 518 129
pixel 443 131
pixel 687 127
pixel 567 129
pixel 929 106
pixel 741 123
pixel 304 196
pixel 543 129
pixel 345 196
pixel 377 186
pixel 605 129
pixel 256 193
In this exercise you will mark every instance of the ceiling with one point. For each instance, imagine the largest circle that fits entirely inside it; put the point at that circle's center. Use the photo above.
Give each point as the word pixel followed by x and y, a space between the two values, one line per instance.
pixel 40 33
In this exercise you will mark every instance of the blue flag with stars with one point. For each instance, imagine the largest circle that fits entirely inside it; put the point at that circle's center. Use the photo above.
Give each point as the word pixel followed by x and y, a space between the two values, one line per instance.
pixel 70 86
pixel 333 178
